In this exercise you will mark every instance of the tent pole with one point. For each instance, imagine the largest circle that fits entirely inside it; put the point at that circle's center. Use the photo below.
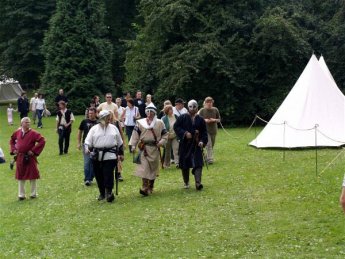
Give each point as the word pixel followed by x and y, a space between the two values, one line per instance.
pixel 256 140
pixel 284 141
pixel 316 169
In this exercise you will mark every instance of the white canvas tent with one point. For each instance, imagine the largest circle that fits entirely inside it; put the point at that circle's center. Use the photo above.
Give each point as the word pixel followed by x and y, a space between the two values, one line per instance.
pixel 10 90
pixel 325 68
pixel 313 113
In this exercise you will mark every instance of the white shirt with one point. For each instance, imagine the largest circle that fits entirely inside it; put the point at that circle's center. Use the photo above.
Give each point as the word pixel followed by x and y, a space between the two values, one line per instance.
pixel 63 119
pixel 33 103
pixel 179 112
pixel 120 110
pixel 130 114
pixel 104 137
pixel 2 155
pixel 40 104
pixel 344 181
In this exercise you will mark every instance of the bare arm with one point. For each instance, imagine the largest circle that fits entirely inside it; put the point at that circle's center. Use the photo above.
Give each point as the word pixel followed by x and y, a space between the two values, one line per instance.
pixel 121 134
pixel 79 135
pixel 123 116
pixel 116 114
pixel 137 114
pixel 57 125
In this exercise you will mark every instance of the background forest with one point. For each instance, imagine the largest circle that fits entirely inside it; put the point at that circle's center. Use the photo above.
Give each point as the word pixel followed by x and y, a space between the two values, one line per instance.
pixel 245 54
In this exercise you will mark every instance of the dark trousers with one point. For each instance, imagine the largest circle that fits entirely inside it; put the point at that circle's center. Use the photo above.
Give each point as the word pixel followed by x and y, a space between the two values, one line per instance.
pixel 104 173
pixel 39 115
pixel 23 114
pixel 129 130
pixel 197 172
pixel 64 136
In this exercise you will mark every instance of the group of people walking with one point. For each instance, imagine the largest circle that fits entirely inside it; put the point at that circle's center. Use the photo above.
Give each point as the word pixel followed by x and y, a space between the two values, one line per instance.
pixel 182 134
pixel 36 105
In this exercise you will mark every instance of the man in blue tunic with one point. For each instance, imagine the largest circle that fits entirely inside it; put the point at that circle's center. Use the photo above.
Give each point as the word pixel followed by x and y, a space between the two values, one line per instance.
pixel 191 130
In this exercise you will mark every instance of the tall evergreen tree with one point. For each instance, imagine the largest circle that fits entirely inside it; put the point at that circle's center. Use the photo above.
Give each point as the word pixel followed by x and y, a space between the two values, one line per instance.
pixel 77 54
pixel 119 18
pixel 22 27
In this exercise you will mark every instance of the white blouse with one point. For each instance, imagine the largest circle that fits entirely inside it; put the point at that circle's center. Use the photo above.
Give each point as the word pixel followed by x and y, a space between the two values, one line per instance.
pixel 104 137
pixel 130 114
pixel 40 104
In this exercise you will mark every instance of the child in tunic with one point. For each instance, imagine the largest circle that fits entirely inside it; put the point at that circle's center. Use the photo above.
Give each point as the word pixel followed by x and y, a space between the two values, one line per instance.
pixel 10 111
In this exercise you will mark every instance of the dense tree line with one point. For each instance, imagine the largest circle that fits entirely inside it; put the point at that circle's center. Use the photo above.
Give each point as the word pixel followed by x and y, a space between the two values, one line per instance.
pixel 22 27
pixel 77 53
pixel 246 54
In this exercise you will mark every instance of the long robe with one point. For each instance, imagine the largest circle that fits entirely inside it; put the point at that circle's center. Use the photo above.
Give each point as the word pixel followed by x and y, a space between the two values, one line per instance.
pixel 190 154
pixel 150 159
pixel 31 140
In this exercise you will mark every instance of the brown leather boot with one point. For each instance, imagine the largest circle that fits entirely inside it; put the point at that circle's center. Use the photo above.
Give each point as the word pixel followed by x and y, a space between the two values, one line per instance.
pixel 144 189
pixel 151 185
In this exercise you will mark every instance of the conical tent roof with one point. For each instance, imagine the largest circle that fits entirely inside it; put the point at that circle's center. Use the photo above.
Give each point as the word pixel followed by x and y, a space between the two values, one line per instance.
pixel 311 115
pixel 323 65
pixel 10 91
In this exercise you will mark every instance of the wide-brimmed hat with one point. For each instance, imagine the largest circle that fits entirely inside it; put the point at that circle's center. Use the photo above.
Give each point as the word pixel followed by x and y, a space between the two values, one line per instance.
pixel 103 114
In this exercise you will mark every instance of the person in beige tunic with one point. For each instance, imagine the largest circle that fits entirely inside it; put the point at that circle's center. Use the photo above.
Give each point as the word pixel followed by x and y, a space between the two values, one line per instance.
pixel 149 134
pixel 108 105
pixel 212 117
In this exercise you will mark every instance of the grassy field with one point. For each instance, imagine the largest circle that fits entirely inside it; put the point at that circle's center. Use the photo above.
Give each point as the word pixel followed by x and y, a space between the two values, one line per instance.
pixel 254 204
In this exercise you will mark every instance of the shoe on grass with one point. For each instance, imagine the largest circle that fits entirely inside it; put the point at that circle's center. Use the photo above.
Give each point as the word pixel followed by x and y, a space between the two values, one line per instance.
pixel 111 197
pixel 186 186
pixel 199 186
pixel 100 197
pixel 143 192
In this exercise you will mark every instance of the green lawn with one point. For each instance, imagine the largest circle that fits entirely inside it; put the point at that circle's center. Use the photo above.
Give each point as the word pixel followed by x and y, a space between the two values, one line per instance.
pixel 254 204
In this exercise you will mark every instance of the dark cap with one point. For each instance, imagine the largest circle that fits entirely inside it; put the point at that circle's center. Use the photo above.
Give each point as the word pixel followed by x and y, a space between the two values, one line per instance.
pixel 179 100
